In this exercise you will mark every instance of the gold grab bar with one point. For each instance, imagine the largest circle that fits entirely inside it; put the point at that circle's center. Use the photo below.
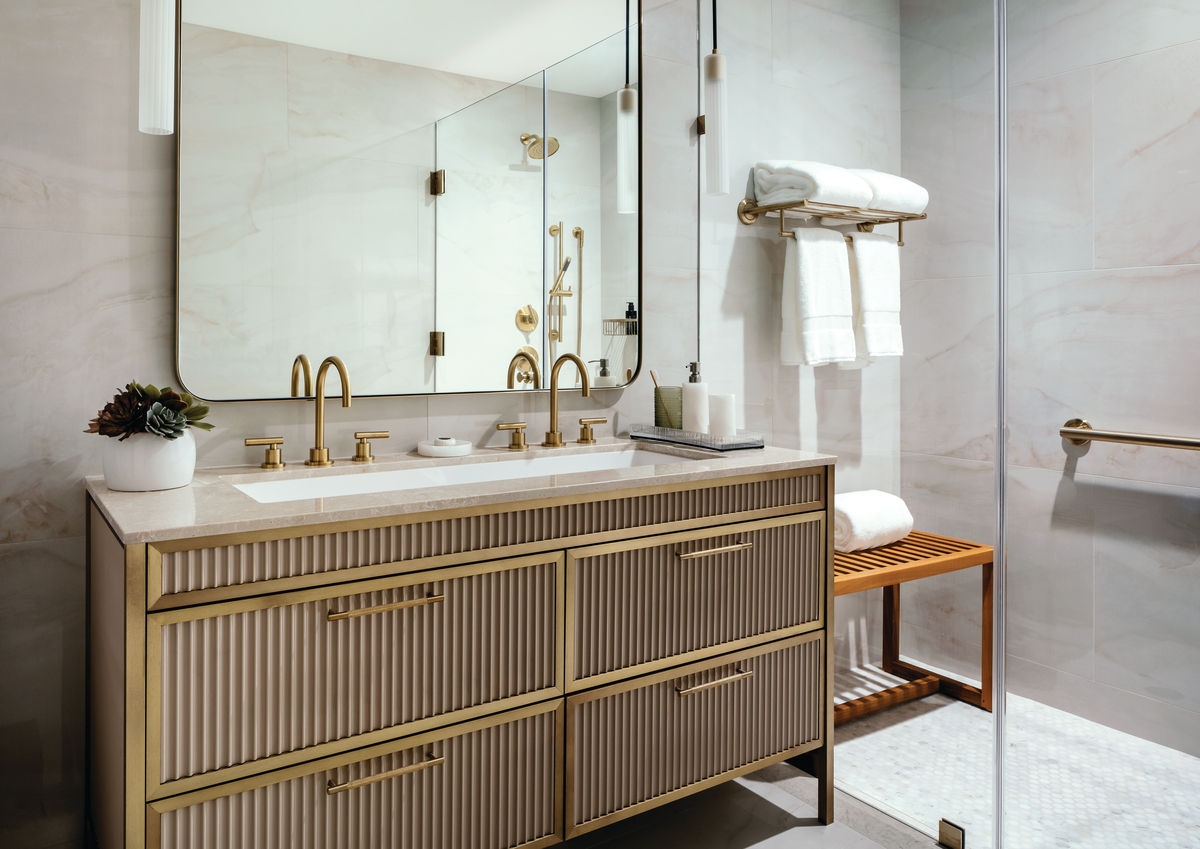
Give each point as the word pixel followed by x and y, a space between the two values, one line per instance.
pixel 712 552
pixel 335 615
pixel 1079 432
pixel 331 788
pixel 740 675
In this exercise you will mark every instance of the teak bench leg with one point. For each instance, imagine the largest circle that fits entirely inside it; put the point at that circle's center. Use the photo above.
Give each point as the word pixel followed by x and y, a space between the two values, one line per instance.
pixel 922 682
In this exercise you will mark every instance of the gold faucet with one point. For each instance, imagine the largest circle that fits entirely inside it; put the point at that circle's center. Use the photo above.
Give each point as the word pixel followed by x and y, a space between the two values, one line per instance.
pixel 533 366
pixel 554 436
pixel 318 455
pixel 301 362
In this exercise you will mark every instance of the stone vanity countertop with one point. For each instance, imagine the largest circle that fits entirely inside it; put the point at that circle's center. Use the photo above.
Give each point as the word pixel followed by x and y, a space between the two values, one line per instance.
pixel 212 505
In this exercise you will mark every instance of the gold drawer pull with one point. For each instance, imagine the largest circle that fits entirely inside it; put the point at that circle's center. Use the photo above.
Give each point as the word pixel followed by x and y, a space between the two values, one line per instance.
pixel 740 675
pixel 331 788
pixel 710 552
pixel 335 615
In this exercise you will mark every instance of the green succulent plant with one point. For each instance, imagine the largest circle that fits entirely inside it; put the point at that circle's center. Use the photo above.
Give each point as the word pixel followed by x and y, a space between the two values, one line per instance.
pixel 148 409
pixel 165 422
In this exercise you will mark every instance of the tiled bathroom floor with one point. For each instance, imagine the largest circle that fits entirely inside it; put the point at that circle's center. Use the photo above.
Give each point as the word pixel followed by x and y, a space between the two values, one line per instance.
pixel 773 808
pixel 1073 784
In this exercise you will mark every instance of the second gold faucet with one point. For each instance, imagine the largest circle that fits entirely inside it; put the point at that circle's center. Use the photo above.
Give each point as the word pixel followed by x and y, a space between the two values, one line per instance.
pixel 554 435
pixel 318 455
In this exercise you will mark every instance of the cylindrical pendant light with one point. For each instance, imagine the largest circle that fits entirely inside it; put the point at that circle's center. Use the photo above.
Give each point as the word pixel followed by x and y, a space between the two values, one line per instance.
pixel 715 118
pixel 627 138
pixel 156 77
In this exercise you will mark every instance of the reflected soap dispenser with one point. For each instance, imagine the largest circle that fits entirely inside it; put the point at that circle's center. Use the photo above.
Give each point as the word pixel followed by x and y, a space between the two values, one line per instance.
pixel 603 375
pixel 695 402
pixel 631 323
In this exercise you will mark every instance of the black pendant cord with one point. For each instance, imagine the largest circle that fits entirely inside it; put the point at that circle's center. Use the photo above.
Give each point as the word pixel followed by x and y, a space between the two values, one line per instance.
pixel 714 16
pixel 627 43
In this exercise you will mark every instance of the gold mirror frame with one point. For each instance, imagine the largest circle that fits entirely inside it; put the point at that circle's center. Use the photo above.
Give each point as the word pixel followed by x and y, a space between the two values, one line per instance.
pixel 640 256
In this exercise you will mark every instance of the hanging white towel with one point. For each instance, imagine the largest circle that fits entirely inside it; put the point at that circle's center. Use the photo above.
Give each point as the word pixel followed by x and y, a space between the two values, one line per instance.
pixel 875 297
pixel 817 312
pixel 868 519
pixel 893 193
pixel 788 181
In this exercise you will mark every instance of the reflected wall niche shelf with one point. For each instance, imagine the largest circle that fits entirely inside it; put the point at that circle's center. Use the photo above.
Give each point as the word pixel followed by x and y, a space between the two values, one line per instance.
pixel 866 219
pixel 620 326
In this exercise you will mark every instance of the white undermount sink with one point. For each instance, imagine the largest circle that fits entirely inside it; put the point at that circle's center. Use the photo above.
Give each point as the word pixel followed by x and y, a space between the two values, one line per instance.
pixel 450 474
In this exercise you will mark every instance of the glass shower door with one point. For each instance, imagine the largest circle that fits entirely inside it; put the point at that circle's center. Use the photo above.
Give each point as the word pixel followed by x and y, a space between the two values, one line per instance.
pixel 1102 732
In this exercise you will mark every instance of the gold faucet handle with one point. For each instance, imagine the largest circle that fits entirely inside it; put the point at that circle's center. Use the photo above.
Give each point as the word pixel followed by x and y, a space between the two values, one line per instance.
pixel 517 441
pixel 586 437
pixel 362 451
pixel 274 456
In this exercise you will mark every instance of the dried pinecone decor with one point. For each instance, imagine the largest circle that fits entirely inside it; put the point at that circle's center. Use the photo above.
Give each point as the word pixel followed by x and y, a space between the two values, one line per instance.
pixel 148 409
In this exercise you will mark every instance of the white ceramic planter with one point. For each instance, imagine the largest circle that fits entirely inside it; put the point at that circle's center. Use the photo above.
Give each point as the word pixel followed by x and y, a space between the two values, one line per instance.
pixel 146 462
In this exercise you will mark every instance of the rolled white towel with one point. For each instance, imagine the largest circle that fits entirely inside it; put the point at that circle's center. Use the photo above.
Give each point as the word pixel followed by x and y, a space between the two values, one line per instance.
pixel 868 519
pixel 892 193
pixel 788 181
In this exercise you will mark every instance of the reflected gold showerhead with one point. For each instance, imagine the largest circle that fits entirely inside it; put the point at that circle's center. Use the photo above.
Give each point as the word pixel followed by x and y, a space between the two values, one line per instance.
pixel 537 145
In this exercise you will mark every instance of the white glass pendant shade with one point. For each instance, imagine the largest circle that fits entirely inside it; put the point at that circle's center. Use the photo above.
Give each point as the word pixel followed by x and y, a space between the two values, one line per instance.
pixel 716 165
pixel 627 151
pixel 156 77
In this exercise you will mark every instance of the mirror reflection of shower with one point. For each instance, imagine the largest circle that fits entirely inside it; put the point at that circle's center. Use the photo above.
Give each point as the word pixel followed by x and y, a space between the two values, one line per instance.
pixel 537 147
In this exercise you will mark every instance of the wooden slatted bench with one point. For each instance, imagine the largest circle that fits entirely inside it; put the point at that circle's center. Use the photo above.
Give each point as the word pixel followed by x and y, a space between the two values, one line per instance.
pixel 918 555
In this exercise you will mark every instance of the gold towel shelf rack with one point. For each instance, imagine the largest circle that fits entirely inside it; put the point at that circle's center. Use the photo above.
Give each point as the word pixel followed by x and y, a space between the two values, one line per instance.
pixel 1079 432
pixel 866 219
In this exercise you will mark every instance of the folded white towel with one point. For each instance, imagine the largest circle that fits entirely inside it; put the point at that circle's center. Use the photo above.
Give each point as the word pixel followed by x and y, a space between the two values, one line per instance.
pixel 892 193
pixel 817 312
pixel 787 181
pixel 875 297
pixel 868 519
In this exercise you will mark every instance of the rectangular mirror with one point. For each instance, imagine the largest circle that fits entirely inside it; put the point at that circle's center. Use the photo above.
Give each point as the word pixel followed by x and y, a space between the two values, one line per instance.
pixel 430 192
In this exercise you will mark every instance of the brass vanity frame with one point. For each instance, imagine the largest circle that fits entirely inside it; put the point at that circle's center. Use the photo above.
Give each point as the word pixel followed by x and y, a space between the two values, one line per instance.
pixel 637 371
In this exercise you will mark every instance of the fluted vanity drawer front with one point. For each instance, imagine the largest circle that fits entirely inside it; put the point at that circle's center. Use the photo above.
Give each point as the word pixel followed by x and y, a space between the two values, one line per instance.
pixel 633 606
pixel 645 742
pixel 187 572
pixel 492 784
pixel 254 684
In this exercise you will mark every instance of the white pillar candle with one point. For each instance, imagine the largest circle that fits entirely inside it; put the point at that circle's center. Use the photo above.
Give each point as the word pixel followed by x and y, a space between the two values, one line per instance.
pixel 722 415
pixel 695 407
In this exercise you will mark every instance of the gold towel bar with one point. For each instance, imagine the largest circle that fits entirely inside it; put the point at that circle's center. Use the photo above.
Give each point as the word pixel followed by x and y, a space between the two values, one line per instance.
pixel 1079 432
pixel 748 212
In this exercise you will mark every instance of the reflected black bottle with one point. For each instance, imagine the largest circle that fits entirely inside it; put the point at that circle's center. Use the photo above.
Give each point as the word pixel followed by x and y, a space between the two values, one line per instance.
pixel 631 325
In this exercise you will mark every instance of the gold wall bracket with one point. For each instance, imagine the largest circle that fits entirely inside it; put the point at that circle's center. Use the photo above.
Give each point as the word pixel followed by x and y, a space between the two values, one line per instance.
pixel 437 182
pixel 437 343
pixel 700 125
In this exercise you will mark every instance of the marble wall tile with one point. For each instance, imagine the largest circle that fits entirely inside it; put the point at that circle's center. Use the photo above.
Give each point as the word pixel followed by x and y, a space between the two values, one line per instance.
pixel 1147 132
pixel 42 631
pixel 1051 586
pixel 1148 589
pixel 1093 344
pixel 71 157
pixel 84 314
pixel 948 372
pixel 1050 174
pixel 941 615
pixel 1051 38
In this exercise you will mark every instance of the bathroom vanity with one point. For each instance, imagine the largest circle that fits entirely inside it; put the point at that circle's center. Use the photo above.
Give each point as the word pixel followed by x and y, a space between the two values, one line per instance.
pixel 498 657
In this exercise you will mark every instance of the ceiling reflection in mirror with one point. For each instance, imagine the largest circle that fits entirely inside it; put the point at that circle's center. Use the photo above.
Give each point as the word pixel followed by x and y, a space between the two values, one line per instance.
pixel 431 192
